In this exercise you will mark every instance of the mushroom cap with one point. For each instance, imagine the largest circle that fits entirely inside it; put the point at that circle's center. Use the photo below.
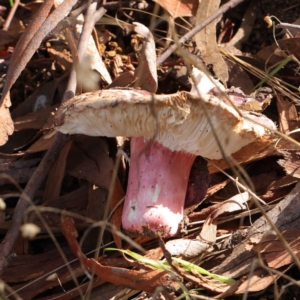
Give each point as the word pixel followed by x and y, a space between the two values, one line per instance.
pixel 177 121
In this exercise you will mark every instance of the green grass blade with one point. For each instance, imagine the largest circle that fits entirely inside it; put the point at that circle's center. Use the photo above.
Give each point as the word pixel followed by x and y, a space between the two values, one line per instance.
pixel 165 266
pixel 147 261
pixel 273 72
pixel 190 266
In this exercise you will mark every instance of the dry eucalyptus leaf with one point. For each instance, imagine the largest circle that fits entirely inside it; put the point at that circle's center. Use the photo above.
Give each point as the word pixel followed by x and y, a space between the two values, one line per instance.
pixel 208 233
pixel 186 248
pixel 275 252
pixel 177 8
pixel 291 162
pixel 207 42
pixel 95 60
pixel 235 203
pixel 288 116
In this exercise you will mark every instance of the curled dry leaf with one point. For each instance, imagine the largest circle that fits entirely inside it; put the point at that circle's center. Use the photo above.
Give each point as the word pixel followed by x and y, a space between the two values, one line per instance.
pixel 208 233
pixel 146 71
pixel 144 280
pixel 145 75
pixel 92 61
pixel 235 203
pixel 209 229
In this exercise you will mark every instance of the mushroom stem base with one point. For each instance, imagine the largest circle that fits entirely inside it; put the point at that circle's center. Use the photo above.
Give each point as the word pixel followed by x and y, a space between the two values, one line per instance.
pixel 156 191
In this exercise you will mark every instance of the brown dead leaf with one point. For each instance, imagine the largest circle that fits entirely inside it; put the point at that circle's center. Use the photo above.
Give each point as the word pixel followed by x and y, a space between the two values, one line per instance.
pixel 145 75
pixel 20 175
pixel 288 116
pixel 260 148
pixel 207 42
pixel 273 56
pixel 89 159
pixel 282 182
pixel 116 209
pixel 258 281
pixel 75 201
pixel 291 162
pixel 34 120
pixel 56 175
pixel 124 80
pixel 25 272
pixel 239 77
pixel 208 233
pixel 144 280
pixel 274 251
pixel 204 213
pixel 5 38
pixel 95 60
pixel 179 8
pixel 96 202
pixel 42 144
pixel 209 284
pixel 61 57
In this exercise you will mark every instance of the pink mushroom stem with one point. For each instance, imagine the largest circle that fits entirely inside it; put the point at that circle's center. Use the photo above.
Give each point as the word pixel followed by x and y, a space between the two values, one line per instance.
pixel 157 185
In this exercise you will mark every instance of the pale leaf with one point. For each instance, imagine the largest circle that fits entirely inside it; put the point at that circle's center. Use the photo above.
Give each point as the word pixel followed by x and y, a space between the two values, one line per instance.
pixel 146 72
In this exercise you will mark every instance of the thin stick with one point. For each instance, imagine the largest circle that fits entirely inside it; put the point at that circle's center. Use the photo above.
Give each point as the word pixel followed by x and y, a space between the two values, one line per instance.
pixel 11 15
pixel 288 26
pixel 199 27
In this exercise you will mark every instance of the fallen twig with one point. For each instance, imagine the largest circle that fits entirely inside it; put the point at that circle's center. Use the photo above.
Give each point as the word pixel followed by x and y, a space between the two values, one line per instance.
pixel 11 15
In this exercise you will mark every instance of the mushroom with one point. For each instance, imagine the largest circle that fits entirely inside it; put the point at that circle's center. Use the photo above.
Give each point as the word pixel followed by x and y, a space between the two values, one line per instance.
pixel 168 132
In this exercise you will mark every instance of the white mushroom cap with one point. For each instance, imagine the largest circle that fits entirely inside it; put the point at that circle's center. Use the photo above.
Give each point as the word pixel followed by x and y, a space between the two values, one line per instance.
pixel 176 121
